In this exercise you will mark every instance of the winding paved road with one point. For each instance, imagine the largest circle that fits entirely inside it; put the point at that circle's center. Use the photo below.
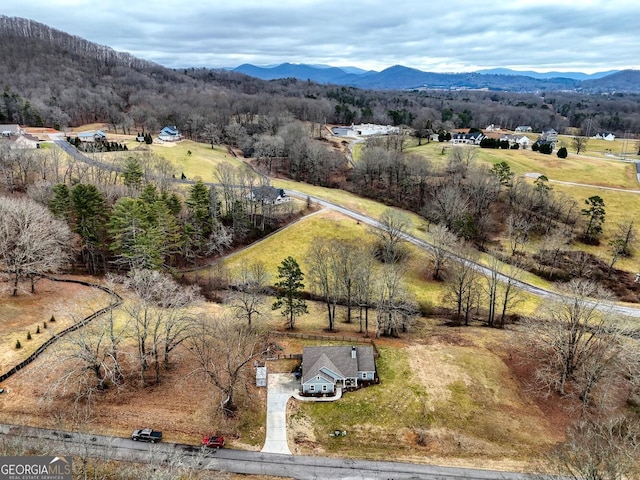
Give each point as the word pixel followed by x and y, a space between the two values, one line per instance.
pixel 627 310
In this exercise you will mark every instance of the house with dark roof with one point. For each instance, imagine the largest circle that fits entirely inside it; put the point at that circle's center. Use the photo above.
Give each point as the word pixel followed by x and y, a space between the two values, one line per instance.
pixel 268 195
pixel 468 138
pixel 549 135
pixel 325 369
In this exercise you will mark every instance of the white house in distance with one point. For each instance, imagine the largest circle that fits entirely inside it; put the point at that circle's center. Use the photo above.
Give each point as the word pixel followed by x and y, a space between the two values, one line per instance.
pixel 549 135
pixel 97 136
pixel 364 130
pixel 524 129
pixel 7 130
pixel 170 134
pixel 522 140
pixel 608 136
pixel 468 138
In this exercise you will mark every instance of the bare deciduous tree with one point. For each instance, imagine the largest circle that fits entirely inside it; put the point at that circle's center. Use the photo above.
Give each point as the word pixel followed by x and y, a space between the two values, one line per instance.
pixel 576 341
pixel 160 316
pixel 462 288
pixel 249 288
pixel 223 347
pixel 323 276
pixel 395 307
pixel 32 240
pixel 606 448
pixel 390 234
pixel 443 242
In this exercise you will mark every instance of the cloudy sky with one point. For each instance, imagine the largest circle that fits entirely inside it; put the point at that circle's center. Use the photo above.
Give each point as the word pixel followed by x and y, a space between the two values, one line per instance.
pixel 452 36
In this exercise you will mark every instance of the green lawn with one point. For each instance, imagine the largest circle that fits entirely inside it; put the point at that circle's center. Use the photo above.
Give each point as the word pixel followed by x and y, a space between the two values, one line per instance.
pixel 202 163
pixel 452 398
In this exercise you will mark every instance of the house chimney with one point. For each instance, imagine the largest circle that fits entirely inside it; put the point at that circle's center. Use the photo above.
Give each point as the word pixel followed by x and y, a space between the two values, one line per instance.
pixel 353 352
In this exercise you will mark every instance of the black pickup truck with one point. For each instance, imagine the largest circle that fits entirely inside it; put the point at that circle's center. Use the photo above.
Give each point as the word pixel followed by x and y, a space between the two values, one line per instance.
pixel 146 435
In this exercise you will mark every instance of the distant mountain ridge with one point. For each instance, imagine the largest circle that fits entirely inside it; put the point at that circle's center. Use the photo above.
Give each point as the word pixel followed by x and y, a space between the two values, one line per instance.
pixel 399 77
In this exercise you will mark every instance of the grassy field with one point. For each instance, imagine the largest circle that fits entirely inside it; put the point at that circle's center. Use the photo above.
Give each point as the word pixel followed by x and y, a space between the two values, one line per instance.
pixel 447 395
pixel 459 401
pixel 603 171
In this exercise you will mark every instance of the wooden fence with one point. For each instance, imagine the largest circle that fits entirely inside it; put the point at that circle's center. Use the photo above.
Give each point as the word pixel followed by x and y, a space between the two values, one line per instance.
pixel 117 302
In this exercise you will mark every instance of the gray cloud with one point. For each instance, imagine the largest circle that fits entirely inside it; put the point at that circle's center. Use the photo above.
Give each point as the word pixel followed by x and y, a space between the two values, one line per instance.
pixel 459 35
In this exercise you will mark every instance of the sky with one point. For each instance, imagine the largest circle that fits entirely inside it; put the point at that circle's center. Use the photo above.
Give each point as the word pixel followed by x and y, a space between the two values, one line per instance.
pixel 454 36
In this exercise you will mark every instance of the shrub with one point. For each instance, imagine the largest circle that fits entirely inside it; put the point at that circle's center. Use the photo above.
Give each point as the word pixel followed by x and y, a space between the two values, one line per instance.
pixel 18 344
pixel 562 152
pixel 545 148
pixel 28 335
pixel 44 325
pixel 38 329
pixel 52 319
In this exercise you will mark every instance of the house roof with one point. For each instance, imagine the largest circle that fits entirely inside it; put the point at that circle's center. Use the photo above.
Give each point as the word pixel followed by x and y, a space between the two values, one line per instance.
pixel 337 359
pixel 170 131
pixel 470 136
pixel 267 193
pixel 10 128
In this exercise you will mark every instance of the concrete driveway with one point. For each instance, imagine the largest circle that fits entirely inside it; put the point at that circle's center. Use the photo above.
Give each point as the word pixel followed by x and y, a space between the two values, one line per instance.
pixel 280 388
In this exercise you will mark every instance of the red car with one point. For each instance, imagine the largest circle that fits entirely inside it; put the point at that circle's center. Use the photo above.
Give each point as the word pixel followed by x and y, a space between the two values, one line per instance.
pixel 213 441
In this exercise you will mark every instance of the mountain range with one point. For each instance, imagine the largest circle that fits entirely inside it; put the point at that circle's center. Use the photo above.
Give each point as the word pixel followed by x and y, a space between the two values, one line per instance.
pixel 399 77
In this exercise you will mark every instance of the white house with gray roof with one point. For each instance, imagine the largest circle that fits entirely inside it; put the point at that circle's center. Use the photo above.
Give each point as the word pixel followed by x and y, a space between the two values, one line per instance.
pixel 326 368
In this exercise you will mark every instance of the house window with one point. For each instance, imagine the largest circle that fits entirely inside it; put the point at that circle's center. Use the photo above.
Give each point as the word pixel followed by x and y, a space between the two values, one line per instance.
pixel 324 388
pixel 364 375
pixel 312 388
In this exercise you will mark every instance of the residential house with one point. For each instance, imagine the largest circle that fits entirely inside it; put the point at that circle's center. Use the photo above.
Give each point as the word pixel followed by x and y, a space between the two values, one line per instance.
pixel 523 141
pixel 549 135
pixel 493 128
pixel 342 131
pixel 25 141
pixel 268 195
pixel 98 136
pixel 170 134
pixel 7 130
pixel 468 138
pixel 610 137
pixel 364 130
pixel 324 369
pixel 524 129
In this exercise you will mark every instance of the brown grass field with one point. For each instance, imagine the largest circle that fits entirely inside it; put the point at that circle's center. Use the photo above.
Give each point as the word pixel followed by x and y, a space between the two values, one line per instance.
pixel 461 400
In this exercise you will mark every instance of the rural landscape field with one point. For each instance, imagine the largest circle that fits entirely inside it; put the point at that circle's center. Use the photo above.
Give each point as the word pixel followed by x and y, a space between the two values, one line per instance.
pixel 165 250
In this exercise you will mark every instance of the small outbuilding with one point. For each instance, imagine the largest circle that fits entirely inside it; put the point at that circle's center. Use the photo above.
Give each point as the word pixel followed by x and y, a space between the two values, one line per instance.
pixel 261 376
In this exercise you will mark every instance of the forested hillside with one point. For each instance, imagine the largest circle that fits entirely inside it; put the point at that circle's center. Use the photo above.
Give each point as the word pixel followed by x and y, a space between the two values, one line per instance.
pixel 51 78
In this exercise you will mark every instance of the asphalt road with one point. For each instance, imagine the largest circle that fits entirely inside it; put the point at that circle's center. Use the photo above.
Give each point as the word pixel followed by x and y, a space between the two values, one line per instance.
pixel 300 467
pixel 627 310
